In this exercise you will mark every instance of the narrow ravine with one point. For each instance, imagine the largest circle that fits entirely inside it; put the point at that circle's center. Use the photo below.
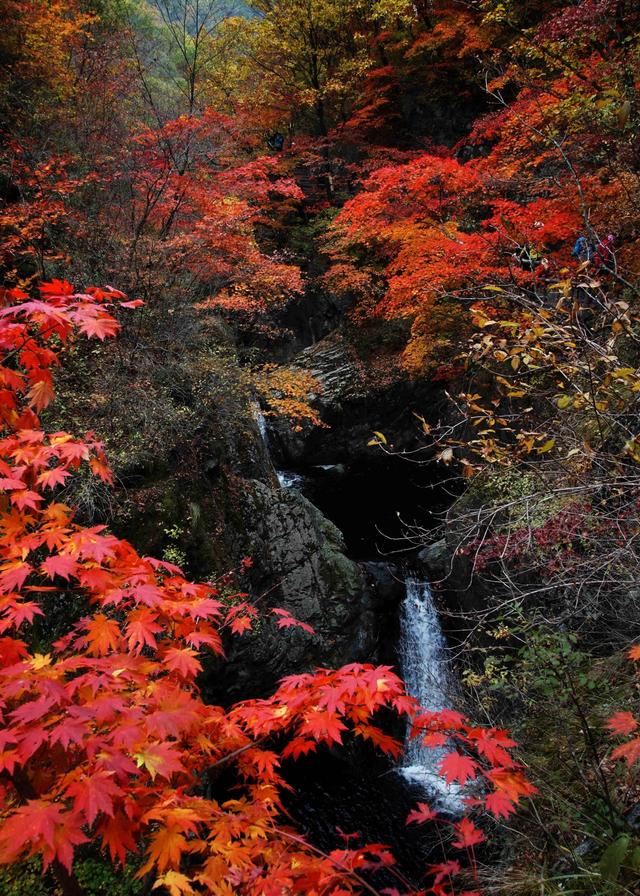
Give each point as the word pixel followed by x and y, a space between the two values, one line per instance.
pixel 424 666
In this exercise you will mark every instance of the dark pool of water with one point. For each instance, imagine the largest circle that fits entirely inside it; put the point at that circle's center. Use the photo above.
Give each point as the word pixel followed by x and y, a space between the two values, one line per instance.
pixel 356 791
pixel 373 504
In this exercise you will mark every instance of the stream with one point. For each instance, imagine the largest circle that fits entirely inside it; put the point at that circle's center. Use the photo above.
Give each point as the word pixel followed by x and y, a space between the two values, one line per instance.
pixel 355 790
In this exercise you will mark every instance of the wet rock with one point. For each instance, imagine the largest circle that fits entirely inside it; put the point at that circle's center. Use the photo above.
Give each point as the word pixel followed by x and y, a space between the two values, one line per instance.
pixel 386 582
pixel 299 565
pixel 435 559
pixel 334 365
pixel 299 555
pixel 377 633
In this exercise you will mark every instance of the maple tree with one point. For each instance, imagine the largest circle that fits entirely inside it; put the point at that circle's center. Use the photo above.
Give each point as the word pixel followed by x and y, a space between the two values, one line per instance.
pixel 105 736
pixel 505 205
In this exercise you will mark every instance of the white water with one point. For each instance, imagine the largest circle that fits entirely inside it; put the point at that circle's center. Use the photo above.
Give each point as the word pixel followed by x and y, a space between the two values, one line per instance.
pixel 261 421
pixel 423 665
pixel 288 479
pixel 425 669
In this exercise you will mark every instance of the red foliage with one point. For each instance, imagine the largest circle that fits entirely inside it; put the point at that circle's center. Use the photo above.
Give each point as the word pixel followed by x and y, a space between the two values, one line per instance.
pixel 441 229
pixel 590 18
pixel 626 724
pixel 106 737
pixel 541 544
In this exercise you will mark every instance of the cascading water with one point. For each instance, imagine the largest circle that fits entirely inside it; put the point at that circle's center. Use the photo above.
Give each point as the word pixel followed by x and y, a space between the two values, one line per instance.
pixel 424 667
pixel 358 791
pixel 262 423
pixel 286 478
pixel 423 663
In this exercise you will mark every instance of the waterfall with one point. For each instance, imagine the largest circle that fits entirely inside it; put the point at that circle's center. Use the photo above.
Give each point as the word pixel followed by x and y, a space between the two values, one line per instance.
pixel 262 423
pixel 425 669
pixel 286 478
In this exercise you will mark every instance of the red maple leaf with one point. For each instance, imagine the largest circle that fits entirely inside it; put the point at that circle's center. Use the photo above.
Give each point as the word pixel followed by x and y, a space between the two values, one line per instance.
pixel 489 744
pixel 44 827
pixel 142 628
pixel 421 815
pixel 468 834
pixel 499 804
pixel 622 723
pixel 94 793
pixel 445 870
pixel 103 635
pixel 630 751
pixel 511 782
pixel 13 575
pixel 183 661
pixel 117 836
pixel 97 325
pixel 286 620
pixel 61 565
pixel 323 725
pixel 11 651
pixel 458 767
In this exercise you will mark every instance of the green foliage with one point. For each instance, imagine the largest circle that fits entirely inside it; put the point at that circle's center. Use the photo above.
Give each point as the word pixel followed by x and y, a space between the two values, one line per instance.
pixel 499 487
pixel 20 880
pixel 173 552
pixel 100 879
pixel 561 695
pixel 97 878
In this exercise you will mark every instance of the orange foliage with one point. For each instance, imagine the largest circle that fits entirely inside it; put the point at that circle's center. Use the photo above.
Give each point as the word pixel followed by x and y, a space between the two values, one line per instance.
pixel 106 737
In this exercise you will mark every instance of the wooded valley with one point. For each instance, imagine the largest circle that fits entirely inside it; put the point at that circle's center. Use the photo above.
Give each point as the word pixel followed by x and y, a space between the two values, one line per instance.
pixel 320 447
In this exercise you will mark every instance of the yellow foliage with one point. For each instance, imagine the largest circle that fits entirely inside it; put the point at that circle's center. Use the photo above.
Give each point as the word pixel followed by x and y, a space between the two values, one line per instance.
pixel 288 392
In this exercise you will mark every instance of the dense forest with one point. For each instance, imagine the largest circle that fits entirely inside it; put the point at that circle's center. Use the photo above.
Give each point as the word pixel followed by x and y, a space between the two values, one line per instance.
pixel 320 447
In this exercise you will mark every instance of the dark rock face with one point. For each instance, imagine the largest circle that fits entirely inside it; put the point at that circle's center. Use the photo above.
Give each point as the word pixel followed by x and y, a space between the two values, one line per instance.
pixel 452 574
pixel 230 506
pixel 379 621
pixel 195 511
pixel 300 565
pixel 353 408
pixel 331 362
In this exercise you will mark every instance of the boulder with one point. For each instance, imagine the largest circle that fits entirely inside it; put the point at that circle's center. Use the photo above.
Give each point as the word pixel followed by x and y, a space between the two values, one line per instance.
pixel 353 405
pixel 436 559
pixel 299 565
pixel 299 555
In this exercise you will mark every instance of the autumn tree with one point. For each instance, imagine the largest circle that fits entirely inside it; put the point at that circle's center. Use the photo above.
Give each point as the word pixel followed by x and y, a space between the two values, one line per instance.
pixel 308 58
pixel 176 53
pixel 106 737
